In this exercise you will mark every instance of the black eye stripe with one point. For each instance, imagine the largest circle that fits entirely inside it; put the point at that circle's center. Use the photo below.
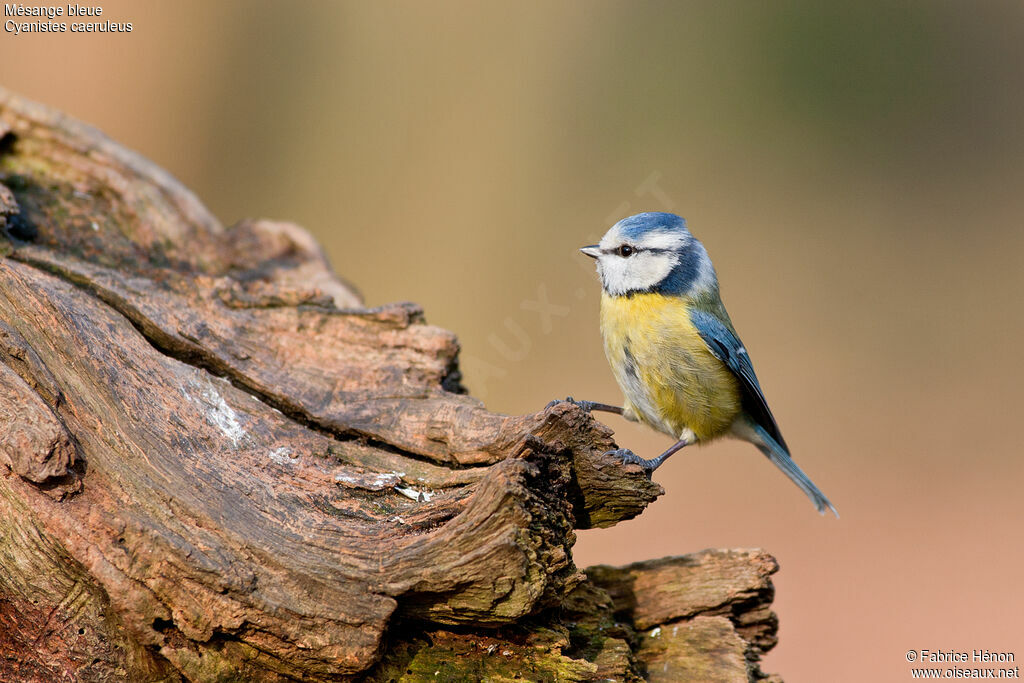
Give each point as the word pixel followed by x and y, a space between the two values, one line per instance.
pixel 636 250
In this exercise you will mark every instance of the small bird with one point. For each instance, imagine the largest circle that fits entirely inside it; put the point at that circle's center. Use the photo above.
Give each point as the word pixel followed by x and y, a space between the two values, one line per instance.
pixel 674 352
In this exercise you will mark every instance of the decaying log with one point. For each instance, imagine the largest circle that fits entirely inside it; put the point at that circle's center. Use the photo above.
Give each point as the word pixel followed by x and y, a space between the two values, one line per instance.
pixel 215 464
pixel 705 616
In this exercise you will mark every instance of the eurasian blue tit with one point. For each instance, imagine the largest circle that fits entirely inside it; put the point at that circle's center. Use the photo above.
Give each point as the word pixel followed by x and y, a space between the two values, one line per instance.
pixel 672 348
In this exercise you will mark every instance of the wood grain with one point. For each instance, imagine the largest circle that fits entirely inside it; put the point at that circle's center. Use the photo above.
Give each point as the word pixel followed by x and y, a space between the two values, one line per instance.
pixel 216 464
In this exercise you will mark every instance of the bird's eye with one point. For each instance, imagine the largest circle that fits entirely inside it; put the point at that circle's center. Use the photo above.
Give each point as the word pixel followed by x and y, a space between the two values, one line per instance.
pixel 625 251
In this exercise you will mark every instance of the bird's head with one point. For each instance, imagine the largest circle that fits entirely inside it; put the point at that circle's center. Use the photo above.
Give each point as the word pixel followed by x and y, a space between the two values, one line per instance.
pixel 652 252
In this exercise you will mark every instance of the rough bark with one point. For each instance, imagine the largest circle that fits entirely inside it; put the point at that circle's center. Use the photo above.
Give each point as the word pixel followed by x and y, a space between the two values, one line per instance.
pixel 215 464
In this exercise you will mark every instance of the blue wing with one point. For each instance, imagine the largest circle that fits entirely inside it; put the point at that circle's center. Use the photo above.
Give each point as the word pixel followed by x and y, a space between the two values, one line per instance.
pixel 726 347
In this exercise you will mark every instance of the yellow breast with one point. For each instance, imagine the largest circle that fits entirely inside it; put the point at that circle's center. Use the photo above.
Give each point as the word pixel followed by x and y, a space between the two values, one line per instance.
pixel 668 376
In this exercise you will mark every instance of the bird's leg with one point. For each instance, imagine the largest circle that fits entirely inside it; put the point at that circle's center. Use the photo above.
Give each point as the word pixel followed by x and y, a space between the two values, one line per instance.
pixel 589 406
pixel 631 458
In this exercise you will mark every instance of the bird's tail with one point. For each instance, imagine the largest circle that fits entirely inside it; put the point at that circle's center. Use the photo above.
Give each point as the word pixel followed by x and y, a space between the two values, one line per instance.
pixel 781 458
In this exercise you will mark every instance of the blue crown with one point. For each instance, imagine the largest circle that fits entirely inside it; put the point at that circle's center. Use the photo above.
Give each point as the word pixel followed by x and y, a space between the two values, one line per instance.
pixel 636 226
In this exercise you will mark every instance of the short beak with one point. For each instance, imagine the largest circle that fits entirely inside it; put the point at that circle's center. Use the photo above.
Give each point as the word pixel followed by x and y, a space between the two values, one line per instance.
pixel 593 251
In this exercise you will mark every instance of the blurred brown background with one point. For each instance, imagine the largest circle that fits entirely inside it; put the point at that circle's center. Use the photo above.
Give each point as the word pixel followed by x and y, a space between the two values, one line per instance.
pixel 856 174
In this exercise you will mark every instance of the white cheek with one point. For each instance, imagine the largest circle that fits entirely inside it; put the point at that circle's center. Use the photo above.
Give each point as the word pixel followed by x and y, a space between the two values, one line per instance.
pixel 643 271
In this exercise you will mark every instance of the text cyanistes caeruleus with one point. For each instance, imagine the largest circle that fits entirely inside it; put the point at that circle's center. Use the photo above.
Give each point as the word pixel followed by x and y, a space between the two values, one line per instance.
pixel 673 349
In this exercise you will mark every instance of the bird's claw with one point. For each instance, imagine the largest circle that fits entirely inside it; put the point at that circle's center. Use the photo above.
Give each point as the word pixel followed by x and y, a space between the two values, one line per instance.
pixel 628 457
pixel 586 406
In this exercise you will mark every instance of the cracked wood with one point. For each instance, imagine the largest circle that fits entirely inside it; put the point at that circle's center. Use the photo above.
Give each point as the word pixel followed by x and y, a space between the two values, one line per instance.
pixel 215 462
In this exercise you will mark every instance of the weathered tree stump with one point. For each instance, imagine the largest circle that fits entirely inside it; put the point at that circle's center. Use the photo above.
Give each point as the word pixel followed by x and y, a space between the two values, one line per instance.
pixel 215 464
